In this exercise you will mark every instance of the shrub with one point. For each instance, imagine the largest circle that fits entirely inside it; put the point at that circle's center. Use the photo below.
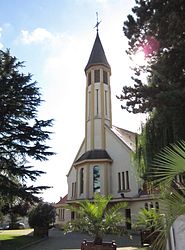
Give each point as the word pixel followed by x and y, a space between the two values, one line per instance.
pixel 42 215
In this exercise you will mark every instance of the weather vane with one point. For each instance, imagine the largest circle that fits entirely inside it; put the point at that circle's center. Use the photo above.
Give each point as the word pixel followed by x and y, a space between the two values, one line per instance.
pixel 97 23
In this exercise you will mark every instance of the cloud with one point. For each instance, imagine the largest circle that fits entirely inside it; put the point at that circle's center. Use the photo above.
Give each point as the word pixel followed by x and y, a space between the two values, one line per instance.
pixel 38 35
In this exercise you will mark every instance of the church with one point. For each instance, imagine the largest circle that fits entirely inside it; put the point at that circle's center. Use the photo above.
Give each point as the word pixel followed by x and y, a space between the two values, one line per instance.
pixel 103 162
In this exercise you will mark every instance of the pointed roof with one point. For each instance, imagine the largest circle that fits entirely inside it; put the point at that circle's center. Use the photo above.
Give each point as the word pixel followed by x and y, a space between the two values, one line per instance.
pixel 96 154
pixel 97 55
pixel 62 200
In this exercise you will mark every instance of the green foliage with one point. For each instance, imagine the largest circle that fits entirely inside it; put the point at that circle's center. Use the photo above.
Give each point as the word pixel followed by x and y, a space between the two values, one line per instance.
pixel 155 135
pixel 168 171
pixel 42 215
pixel 149 219
pixel 23 136
pixel 169 163
pixel 15 208
pixel 157 28
pixel 96 217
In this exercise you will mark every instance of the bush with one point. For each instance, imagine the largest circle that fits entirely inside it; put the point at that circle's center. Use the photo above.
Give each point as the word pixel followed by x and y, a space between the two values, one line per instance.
pixel 42 215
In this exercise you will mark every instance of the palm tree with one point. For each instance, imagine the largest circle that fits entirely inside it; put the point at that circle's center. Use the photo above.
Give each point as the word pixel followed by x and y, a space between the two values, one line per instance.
pixel 96 217
pixel 168 170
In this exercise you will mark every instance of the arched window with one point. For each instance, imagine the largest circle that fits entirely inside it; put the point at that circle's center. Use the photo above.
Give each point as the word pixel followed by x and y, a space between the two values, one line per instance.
pixel 96 179
pixel 81 181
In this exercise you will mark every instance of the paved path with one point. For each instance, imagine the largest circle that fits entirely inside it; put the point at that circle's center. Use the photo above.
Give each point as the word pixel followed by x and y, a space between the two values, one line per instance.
pixel 58 241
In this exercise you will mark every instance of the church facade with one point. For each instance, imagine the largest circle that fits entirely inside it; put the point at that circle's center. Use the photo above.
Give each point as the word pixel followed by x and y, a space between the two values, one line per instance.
pixel 103 163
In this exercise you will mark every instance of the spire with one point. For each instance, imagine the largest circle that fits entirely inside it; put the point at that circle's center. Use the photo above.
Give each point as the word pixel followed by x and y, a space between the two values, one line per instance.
pixel 97 55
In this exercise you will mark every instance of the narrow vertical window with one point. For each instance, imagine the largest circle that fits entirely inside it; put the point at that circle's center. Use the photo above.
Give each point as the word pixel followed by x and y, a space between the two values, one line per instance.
pixel 96 179
pixel 127 180
pixel 123 181
pixel 72 189
pixel 105 102
pixel 81 181
pixel 105 78
pixel 63 214
pixel 75 190
pixel 119 181
pixel 59 216
pixel 89 104
pixel 97 104
pixel 97 76
pixel 89 78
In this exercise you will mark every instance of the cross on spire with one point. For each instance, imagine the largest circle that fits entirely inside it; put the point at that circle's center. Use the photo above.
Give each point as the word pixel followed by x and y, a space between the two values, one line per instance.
pixel 97 23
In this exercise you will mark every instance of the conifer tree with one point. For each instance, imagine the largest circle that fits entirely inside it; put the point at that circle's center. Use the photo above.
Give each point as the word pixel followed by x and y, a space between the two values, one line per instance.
pixel 157 27
pixel 23 136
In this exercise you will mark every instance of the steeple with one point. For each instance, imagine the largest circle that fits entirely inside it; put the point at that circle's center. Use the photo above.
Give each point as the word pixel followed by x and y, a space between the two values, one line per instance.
pixel 97 56
pixel 98 98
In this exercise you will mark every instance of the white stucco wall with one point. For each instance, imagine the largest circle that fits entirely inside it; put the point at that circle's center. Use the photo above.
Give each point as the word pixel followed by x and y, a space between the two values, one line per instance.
pixel 121 156
pixel 71 179
pixel 67 215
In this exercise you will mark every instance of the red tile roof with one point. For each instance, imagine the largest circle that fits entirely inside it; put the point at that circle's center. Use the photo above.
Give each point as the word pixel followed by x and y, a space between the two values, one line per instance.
pixel 62 200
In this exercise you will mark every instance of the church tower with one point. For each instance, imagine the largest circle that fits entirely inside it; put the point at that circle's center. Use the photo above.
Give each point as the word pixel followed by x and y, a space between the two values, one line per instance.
pixel 98 98
pixel 102 163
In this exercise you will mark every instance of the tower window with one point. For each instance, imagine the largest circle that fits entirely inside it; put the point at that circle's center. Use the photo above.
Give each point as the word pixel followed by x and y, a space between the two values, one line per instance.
pixel 105 102
pixel 81 181
pixel 96 179
pixel 89 78
pixel 97 76
pixel 105 78
pixel 97 104
pixel 89 104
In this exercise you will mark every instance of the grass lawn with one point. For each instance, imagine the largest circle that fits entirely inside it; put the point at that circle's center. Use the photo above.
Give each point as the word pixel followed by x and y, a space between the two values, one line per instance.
pixel 15 239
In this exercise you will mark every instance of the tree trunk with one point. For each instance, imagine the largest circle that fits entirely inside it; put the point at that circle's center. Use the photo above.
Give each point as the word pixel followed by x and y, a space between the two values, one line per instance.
pixel 98 240
pixel 40 231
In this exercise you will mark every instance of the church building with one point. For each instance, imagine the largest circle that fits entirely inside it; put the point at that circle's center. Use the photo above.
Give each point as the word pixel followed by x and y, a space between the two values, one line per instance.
pixel 103 162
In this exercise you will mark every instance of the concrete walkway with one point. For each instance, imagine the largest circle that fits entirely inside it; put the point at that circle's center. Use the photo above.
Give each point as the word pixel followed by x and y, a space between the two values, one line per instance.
pixel 58 241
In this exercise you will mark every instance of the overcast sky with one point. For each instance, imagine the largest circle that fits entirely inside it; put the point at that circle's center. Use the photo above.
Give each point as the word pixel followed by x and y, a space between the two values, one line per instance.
pixel 55 38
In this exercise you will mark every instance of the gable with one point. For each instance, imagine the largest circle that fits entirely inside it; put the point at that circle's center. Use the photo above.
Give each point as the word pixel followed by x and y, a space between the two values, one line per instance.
pixel 124 137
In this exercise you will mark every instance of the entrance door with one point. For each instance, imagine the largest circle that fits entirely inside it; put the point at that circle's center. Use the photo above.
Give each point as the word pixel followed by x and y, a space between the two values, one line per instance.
pixel 72 215
pixel 128 218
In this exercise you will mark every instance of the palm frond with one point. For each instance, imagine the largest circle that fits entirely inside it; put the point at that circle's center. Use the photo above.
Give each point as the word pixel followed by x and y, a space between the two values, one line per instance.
pixel 169 163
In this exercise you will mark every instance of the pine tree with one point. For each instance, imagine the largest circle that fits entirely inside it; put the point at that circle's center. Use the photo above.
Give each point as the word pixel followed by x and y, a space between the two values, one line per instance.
pixel 23 136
